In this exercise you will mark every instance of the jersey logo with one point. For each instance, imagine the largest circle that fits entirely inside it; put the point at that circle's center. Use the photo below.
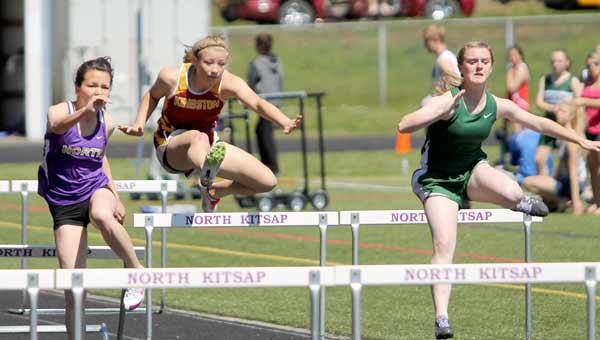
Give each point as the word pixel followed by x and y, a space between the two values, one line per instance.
pixel 487 115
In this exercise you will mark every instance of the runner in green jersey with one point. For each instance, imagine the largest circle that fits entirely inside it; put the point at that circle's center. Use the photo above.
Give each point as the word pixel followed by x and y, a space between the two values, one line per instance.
pixel 553 89
pixel 454 166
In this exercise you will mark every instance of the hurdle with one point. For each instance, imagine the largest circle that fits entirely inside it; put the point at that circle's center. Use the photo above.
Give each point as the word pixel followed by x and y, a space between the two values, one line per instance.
pixel 4 186
pixel 24 187
pixel 394 217
pixel 31 281
pixel 313 278
pixel 481 273
pixel 44 251
pixel 249 219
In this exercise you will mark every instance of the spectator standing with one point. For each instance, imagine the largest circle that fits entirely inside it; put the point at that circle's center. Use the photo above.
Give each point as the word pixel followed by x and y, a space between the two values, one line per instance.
pixel 590 99
pixel 554 88
pixel 265 75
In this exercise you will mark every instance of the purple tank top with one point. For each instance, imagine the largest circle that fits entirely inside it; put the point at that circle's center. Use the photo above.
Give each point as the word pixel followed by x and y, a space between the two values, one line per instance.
pixel 71 170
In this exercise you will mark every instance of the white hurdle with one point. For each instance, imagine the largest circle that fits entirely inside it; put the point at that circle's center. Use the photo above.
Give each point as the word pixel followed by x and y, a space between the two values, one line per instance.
pixel 31 281
pixel 24 187
pixel 312 277
pixel 4 186
pixel 249 219
pixel 411 217
pixel 482 273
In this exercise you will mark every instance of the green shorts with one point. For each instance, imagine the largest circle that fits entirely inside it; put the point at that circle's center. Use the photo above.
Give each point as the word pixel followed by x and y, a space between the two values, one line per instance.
pixel 426 184
pixel 547 140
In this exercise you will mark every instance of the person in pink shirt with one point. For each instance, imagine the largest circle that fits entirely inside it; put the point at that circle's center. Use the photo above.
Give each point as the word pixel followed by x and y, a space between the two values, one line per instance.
pixel 590 99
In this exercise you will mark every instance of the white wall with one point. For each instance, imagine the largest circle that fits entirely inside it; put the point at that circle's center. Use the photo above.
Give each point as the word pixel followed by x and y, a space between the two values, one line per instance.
pixel 108 27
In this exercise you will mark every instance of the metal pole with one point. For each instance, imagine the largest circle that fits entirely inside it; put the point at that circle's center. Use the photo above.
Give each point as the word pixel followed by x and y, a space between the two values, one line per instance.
pixel 139 150
pixel 149 227
pixel 382 44
pixel 528 326
pixel 77 291
pixel 355 223
pixel 590 287
pixel 163 243
pixel 509 33
pixel 303 144
pixel 24 222
pixel 121 326
pixel 356 288
pixel 314 287
pixel 33 290
pixel 323 263
pixel 321 142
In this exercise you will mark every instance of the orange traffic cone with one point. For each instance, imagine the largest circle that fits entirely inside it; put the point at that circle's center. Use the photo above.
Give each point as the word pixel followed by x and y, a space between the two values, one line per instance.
pixel 403 143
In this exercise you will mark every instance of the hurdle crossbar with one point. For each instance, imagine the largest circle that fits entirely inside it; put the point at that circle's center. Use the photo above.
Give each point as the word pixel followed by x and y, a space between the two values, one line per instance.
pixel 482 273
pixel 248 219
pixel 410 217
pixel 261 277
pixel 43 251
pixel 163 187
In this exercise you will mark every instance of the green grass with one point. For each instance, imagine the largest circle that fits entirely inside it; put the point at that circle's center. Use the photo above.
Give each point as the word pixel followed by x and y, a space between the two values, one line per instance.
pixel 388 312
pixel 342 60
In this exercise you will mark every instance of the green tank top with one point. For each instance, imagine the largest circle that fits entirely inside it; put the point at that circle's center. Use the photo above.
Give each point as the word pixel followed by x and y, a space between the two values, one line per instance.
pixel 454 146
pixel 556 93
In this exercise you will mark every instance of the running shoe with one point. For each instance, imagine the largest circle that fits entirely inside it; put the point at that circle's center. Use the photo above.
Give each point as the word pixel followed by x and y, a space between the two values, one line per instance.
pixel 442 328
pixel 532 206
pixel 209 203
pixel 212 163
pixel 133 298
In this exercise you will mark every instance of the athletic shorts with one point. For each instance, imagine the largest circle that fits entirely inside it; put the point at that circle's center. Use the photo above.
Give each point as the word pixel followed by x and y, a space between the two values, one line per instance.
pixel 548 141
pixel 74 214
pixel 592 136
pixel 161 153
pixel 562 187
pixel 426 184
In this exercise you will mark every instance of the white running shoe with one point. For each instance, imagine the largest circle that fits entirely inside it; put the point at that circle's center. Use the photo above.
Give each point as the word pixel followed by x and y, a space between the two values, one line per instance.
pixel 133 298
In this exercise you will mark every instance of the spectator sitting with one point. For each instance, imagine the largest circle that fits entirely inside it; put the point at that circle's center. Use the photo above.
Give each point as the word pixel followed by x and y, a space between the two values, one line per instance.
pixel 568 180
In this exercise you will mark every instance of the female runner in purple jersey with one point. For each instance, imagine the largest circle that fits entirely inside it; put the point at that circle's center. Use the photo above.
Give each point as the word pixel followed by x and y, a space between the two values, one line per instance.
pixel 76 181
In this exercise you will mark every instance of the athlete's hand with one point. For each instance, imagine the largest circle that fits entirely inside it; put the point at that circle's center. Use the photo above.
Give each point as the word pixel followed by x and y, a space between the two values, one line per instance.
pixel 96 103
pixel 292 124
pixel 578 208
pixel 449 107
pixel 135 130
pixel 590 145
pixel 120 212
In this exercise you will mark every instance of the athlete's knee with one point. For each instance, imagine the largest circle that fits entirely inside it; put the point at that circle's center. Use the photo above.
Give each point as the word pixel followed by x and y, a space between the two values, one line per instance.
pixel 102 218
pixel 443 248
pixel 268 183
pixel 514 193
pixel 198 138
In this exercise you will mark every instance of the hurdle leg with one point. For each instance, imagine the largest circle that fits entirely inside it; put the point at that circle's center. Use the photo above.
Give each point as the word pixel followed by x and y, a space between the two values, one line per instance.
pixel 104 331
pixel 355 225
pixel 315 290
pixel 149 227
pixel 356 288
pixel 528 312
pixel 33 291
pixel 323 262
pixel 77 290
pixel 590 285
pixel 121 317
pixel 163 245
pixel 24 222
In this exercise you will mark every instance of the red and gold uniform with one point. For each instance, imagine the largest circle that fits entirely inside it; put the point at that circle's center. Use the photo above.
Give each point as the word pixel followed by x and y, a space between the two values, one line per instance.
pixel 189 110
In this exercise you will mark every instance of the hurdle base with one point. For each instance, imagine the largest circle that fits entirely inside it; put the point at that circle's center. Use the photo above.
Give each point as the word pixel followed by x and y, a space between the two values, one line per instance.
pixel 51 329
pixel 88 311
